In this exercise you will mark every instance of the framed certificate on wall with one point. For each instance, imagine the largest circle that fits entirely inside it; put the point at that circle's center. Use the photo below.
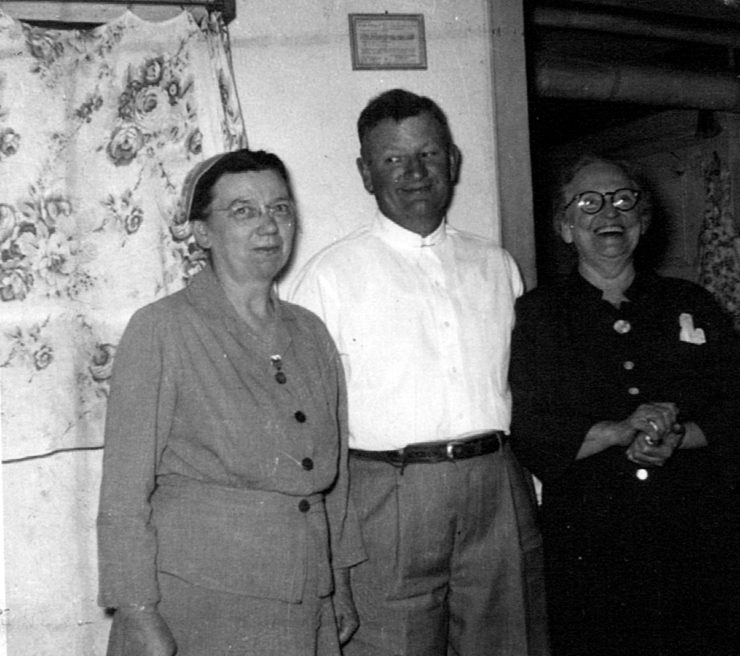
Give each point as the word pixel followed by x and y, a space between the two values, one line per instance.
pixel 387 41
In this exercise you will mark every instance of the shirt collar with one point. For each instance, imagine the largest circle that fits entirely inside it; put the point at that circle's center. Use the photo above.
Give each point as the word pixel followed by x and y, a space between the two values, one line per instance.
pixel 582 288
pixel 639 286
pixel 206 293
pixel 400 237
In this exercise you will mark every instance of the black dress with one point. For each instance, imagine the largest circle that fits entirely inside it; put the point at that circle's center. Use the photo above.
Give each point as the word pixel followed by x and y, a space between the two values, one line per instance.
pixel 639 561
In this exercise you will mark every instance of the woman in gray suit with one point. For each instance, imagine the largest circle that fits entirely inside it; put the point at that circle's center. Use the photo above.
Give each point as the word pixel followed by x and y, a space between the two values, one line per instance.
pixel 224 524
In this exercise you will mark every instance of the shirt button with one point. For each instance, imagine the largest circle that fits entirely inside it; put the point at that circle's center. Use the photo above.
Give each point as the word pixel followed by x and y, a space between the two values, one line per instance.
pixel 629 365
pixel 634 391
pixel 300 417
pixel 304 505
pixel 307 464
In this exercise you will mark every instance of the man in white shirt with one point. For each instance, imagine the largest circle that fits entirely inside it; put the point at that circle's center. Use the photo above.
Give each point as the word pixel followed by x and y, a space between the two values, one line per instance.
pixel 422 315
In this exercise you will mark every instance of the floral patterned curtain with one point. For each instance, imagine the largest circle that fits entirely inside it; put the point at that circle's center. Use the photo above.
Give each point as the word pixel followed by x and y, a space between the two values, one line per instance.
pixel 719 241
pixel 97 131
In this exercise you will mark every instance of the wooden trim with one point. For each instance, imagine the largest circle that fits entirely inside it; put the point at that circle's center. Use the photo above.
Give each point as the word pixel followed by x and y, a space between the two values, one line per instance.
pixel 513 175
pixel 91 12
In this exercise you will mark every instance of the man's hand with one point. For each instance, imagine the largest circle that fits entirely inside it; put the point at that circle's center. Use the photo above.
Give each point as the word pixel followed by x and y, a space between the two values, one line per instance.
pixel 140 632
pixel 344 606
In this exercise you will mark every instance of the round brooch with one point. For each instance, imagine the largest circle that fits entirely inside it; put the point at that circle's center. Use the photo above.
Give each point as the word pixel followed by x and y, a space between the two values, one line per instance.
pixel 622 326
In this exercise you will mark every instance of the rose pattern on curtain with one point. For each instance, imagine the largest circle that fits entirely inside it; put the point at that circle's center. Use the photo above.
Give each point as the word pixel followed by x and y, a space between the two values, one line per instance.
pixel 719 241
pixel 97 131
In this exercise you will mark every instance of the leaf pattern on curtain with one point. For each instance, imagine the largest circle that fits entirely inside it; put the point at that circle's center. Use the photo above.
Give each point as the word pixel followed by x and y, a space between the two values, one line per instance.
pixel 719 241
pixel 97 131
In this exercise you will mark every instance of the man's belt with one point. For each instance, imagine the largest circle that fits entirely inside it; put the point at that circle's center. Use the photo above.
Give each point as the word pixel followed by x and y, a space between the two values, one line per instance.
pixel 438 451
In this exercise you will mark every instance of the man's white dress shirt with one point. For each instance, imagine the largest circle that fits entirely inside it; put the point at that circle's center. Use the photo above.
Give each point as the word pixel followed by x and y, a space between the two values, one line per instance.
pixel 423 326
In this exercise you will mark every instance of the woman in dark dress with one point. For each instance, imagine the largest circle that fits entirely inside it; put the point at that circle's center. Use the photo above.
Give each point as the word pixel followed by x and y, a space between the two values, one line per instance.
pixel 627 408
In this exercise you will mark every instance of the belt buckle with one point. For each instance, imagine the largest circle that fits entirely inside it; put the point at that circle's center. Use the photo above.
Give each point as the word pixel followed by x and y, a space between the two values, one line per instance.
pixel 449 448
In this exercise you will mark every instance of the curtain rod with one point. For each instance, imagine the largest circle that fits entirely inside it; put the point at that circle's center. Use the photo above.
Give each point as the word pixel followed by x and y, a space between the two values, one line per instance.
pixel 34 8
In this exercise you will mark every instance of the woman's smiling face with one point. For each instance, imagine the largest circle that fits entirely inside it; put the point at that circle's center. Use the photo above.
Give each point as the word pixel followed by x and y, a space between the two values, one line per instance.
pixel 609 237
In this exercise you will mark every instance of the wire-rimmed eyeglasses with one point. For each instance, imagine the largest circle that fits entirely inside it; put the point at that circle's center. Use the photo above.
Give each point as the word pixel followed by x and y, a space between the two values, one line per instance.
pixel 591 202
pixel 245 211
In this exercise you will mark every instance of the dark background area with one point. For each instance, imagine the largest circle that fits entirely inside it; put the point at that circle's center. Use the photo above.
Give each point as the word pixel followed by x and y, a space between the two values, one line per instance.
pixel 600 64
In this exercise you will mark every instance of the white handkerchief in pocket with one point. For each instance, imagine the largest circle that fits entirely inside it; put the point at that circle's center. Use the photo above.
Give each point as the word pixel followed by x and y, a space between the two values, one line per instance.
pixel 688 332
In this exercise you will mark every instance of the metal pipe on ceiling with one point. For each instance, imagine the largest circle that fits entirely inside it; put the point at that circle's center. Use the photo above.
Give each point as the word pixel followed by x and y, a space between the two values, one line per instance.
pixel 589 80
pixel 723 10
pixel 719 35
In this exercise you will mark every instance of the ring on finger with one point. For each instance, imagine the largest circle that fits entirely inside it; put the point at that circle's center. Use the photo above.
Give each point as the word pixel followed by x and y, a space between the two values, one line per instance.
pixel 650 441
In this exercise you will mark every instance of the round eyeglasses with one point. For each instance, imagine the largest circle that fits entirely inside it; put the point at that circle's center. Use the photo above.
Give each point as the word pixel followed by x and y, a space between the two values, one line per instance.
pixel 591 202
pixel 244 211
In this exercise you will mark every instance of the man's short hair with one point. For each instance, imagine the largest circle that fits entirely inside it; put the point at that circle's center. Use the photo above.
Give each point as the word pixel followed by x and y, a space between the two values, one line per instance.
pixel 398 104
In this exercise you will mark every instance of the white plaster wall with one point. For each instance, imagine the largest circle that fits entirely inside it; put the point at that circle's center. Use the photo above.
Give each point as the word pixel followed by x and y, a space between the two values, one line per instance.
pixel 51 576
pixel 300 98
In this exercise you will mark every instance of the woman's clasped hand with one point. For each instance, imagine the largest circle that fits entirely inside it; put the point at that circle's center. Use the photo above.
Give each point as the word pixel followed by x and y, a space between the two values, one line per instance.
pixel 657 434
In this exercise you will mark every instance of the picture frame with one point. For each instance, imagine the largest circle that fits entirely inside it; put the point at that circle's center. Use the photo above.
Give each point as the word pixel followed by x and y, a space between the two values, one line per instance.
pixel 387 41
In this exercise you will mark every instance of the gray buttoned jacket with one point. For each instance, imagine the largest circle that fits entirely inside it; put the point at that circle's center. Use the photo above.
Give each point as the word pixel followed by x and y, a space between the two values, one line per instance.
pixel 214 470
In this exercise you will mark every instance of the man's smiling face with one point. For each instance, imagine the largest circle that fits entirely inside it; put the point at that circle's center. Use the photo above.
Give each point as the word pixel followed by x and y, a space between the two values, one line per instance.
pixel 410 167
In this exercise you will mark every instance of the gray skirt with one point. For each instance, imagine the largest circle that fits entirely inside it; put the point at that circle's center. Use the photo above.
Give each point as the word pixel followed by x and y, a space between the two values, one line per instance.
pixel 214 623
